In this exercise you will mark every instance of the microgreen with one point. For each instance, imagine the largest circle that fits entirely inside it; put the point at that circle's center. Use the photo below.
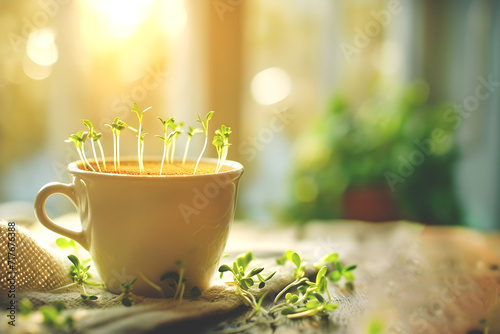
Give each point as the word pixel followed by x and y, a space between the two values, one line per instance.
pixel 165 124
pixel 204 123
pixel 94 136
pixel 177 130
pixel 166 140
pixel 140 138
pixel 51 315
pixel 79 140
pixel 53 318
pixel 25 306
pixel 309 298
pixel 221 143
pixel 63 243
pixel 341 271
pixel 176 281
pixel 310 301
pixel 117 126
pixel 191 132
pixel 79 274
pixel 244 281
pixel 126 296
pixel 298 272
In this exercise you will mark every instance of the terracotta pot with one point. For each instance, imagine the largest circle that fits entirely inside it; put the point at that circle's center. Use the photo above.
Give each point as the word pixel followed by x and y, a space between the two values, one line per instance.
pixel 370 203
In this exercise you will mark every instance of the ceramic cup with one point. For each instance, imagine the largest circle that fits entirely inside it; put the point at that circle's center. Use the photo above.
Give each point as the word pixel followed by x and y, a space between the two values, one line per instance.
pixel 140 226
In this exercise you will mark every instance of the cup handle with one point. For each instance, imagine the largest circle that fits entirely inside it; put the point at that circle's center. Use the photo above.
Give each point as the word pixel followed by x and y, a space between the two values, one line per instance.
pixel 41 198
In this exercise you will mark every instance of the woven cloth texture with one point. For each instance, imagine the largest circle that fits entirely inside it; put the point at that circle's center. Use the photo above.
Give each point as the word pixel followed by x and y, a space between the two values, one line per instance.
pixel 35 266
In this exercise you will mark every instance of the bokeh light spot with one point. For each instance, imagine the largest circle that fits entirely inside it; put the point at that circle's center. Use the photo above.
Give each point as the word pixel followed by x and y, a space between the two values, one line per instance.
pixel 271 85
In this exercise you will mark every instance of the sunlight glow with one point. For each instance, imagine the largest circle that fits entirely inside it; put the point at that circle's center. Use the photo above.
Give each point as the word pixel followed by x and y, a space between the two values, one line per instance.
pixel 174 16
pixel 123 16
pixel 271 86
pixel 34 70
pixel 41 47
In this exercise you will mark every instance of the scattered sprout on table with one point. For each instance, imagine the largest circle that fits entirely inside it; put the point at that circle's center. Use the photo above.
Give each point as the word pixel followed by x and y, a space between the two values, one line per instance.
pixel 126 296
pixel 176 282
pixel 79 274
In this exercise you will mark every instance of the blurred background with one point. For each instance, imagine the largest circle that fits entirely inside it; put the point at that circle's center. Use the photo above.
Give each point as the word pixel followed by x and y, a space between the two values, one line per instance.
pixel 373 110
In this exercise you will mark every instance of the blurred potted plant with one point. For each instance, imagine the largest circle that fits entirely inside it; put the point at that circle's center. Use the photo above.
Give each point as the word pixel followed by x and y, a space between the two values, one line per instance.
pixel 378 162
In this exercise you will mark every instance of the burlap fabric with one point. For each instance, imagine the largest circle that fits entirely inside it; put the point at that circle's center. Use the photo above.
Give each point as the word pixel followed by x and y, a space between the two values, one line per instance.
pixel 32 265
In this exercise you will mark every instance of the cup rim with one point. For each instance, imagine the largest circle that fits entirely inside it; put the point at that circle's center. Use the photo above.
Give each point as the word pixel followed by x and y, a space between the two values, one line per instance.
pixel 73 169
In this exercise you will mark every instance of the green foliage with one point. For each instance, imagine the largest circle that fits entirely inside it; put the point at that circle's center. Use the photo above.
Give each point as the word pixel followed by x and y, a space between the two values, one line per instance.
pixel 350 147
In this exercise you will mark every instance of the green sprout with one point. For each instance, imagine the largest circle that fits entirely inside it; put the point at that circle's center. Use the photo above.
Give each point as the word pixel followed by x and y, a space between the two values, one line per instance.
pixel 52 317
pixel 79 274
pixel 221 143
pixel 140 137
pixel 64 243
pixel 127 295
pixel 176 282
pixel 25 307
pixel 177 130
pixel 191 132
pixel 117 126
pixel 244 281
pixel 79 140
pixel 165 124
pixel 341 271
pixel 94 136
pixel 298 272
pixel 310 301
pixel 166 140
pixel 205 129
pixel 141 141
